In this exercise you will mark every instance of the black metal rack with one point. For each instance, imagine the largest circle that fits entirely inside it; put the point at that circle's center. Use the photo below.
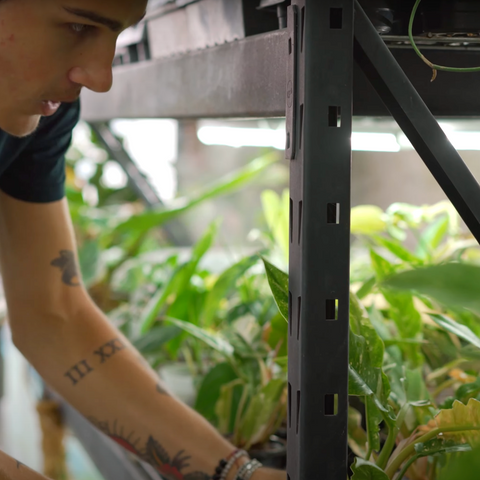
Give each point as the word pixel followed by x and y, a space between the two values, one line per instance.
pixel 329 64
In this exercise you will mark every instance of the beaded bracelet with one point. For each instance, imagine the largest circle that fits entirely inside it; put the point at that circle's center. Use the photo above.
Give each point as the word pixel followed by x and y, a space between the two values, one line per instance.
pixel 225 465
pixel 248 469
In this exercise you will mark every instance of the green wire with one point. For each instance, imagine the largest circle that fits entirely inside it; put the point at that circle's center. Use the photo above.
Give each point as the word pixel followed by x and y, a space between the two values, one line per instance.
pixel 428 62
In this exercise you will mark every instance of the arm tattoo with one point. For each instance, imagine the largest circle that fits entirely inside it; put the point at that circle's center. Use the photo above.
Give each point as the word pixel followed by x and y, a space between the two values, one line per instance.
pixel 79 371
pixel 109 349
pixel 153 453
pixel 67 264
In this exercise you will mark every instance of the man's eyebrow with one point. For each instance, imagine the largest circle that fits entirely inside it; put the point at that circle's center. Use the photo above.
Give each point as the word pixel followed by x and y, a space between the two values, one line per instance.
pixel 113 25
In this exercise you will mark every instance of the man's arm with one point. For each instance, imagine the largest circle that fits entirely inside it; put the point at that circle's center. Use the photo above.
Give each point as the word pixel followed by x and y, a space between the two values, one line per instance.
pixel 11 469
pixel 85 358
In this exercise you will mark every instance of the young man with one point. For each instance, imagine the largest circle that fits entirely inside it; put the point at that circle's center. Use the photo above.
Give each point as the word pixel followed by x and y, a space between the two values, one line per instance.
pixel 49 51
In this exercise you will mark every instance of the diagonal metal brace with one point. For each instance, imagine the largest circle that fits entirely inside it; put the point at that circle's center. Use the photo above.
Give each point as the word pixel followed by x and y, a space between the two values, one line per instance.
pixel 417 122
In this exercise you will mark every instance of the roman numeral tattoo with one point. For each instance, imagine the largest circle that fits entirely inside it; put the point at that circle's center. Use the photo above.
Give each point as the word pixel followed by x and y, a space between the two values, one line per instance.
pixel 67 264
pixel 79 372
pixel 83 368
pixel 109 349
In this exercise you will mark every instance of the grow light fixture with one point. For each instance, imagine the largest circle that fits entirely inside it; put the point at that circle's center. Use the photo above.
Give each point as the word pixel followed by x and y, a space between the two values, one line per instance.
pixel 265 137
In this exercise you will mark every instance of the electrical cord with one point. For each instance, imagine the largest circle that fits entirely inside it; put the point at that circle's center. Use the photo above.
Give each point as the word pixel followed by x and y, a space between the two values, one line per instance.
pixel 433 66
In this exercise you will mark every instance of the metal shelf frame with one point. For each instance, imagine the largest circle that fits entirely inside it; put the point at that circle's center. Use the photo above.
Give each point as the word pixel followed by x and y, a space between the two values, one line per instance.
pixel 329 64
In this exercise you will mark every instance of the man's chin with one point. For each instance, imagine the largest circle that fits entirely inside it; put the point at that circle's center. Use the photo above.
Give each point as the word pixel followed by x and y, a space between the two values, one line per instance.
pixel 20 126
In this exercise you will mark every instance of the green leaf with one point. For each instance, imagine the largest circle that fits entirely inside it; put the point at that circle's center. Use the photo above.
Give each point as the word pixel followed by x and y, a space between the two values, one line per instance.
pixel 398 250
pixel 363 470
pixel 357 437
pixel 452 284
pixel 439 446
pixel 367 220
pixel 152 341
pixel 225 283
pixel 179 279
pixel 456 328
pixel 278 282
pixel 156 217
pixel 465 467
pixel 276 211
pixel 278 335
pixel 210 389
pixel 90 261
pixel 259 413
pixel 432 237
pixel 214 340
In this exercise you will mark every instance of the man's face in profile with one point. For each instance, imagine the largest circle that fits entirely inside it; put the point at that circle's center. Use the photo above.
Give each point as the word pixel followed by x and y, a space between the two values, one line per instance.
pixel 51 49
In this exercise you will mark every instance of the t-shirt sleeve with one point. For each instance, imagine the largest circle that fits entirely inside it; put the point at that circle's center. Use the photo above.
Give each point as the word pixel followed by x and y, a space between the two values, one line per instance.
pixel 38 174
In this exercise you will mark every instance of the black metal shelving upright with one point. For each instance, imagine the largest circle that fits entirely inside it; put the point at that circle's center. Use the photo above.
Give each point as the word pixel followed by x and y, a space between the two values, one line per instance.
pixel 319 126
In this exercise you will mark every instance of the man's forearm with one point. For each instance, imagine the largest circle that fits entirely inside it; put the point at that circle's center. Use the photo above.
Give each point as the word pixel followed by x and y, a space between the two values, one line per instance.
pixel 11 469
pixel 88 361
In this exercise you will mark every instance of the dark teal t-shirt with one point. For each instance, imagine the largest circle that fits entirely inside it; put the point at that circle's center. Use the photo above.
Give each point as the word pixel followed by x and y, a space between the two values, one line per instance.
pixel 32 169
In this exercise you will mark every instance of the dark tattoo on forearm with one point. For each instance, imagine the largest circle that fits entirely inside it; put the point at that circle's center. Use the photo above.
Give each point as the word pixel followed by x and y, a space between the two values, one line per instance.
pixel 79 371
pixel 109 349
pixel 153 453
pixel 82 369
pixel 67 264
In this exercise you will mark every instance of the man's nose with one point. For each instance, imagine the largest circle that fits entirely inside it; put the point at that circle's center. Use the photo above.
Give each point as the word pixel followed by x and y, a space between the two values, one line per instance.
pixel 96 74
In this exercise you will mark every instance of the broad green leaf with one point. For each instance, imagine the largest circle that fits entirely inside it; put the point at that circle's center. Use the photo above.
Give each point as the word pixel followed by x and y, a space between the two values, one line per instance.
pixel 398 250
pixel 381 266
pixel 357 437
pixel 209 392
pixel 214 340
pixel 152 341
pixel 90 262
pixel 367 220
pixel 259 413
pixel 460 415
pixel 439 446
pixel 452 284
pixel 464 467
pixel 224 408
pixel 278 282
pixel 432 237
pixel 363 470
pixel 156 217
pixel 366 359
pixel 278 337
pixel 179 279
pixel 276 211
pixel 225 283
pixel 361 325
pixel 468 390
pixel 456 328
pixel 366 288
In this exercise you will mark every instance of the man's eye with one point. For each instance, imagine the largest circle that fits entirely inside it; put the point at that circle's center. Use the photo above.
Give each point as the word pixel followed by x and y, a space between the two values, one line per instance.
pixel 81 28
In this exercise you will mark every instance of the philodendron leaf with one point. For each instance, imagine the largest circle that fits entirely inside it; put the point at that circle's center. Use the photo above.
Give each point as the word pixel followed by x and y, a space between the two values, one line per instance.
pixel 440 446
pixel 210 389
pixel 456 328
pixel 366 376
pixel 367 220
pixel 259 413
pixel 461 423
pixel 214 340
pixel 225 283
pixel 463 467
pixel 363 470
pixel 452 284
pixel 278 282
pixel 357 437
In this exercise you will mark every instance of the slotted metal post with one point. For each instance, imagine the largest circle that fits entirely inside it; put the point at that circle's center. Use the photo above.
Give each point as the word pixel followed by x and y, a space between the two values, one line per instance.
pixel 319 123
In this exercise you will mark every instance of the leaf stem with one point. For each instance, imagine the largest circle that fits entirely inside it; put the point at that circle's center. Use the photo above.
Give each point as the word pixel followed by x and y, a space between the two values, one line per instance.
pixel 388 446
pixel 407 465
pixel 410 449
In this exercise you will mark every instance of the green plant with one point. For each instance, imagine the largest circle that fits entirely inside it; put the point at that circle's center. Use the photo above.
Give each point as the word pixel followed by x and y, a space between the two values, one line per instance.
pixel 414 347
